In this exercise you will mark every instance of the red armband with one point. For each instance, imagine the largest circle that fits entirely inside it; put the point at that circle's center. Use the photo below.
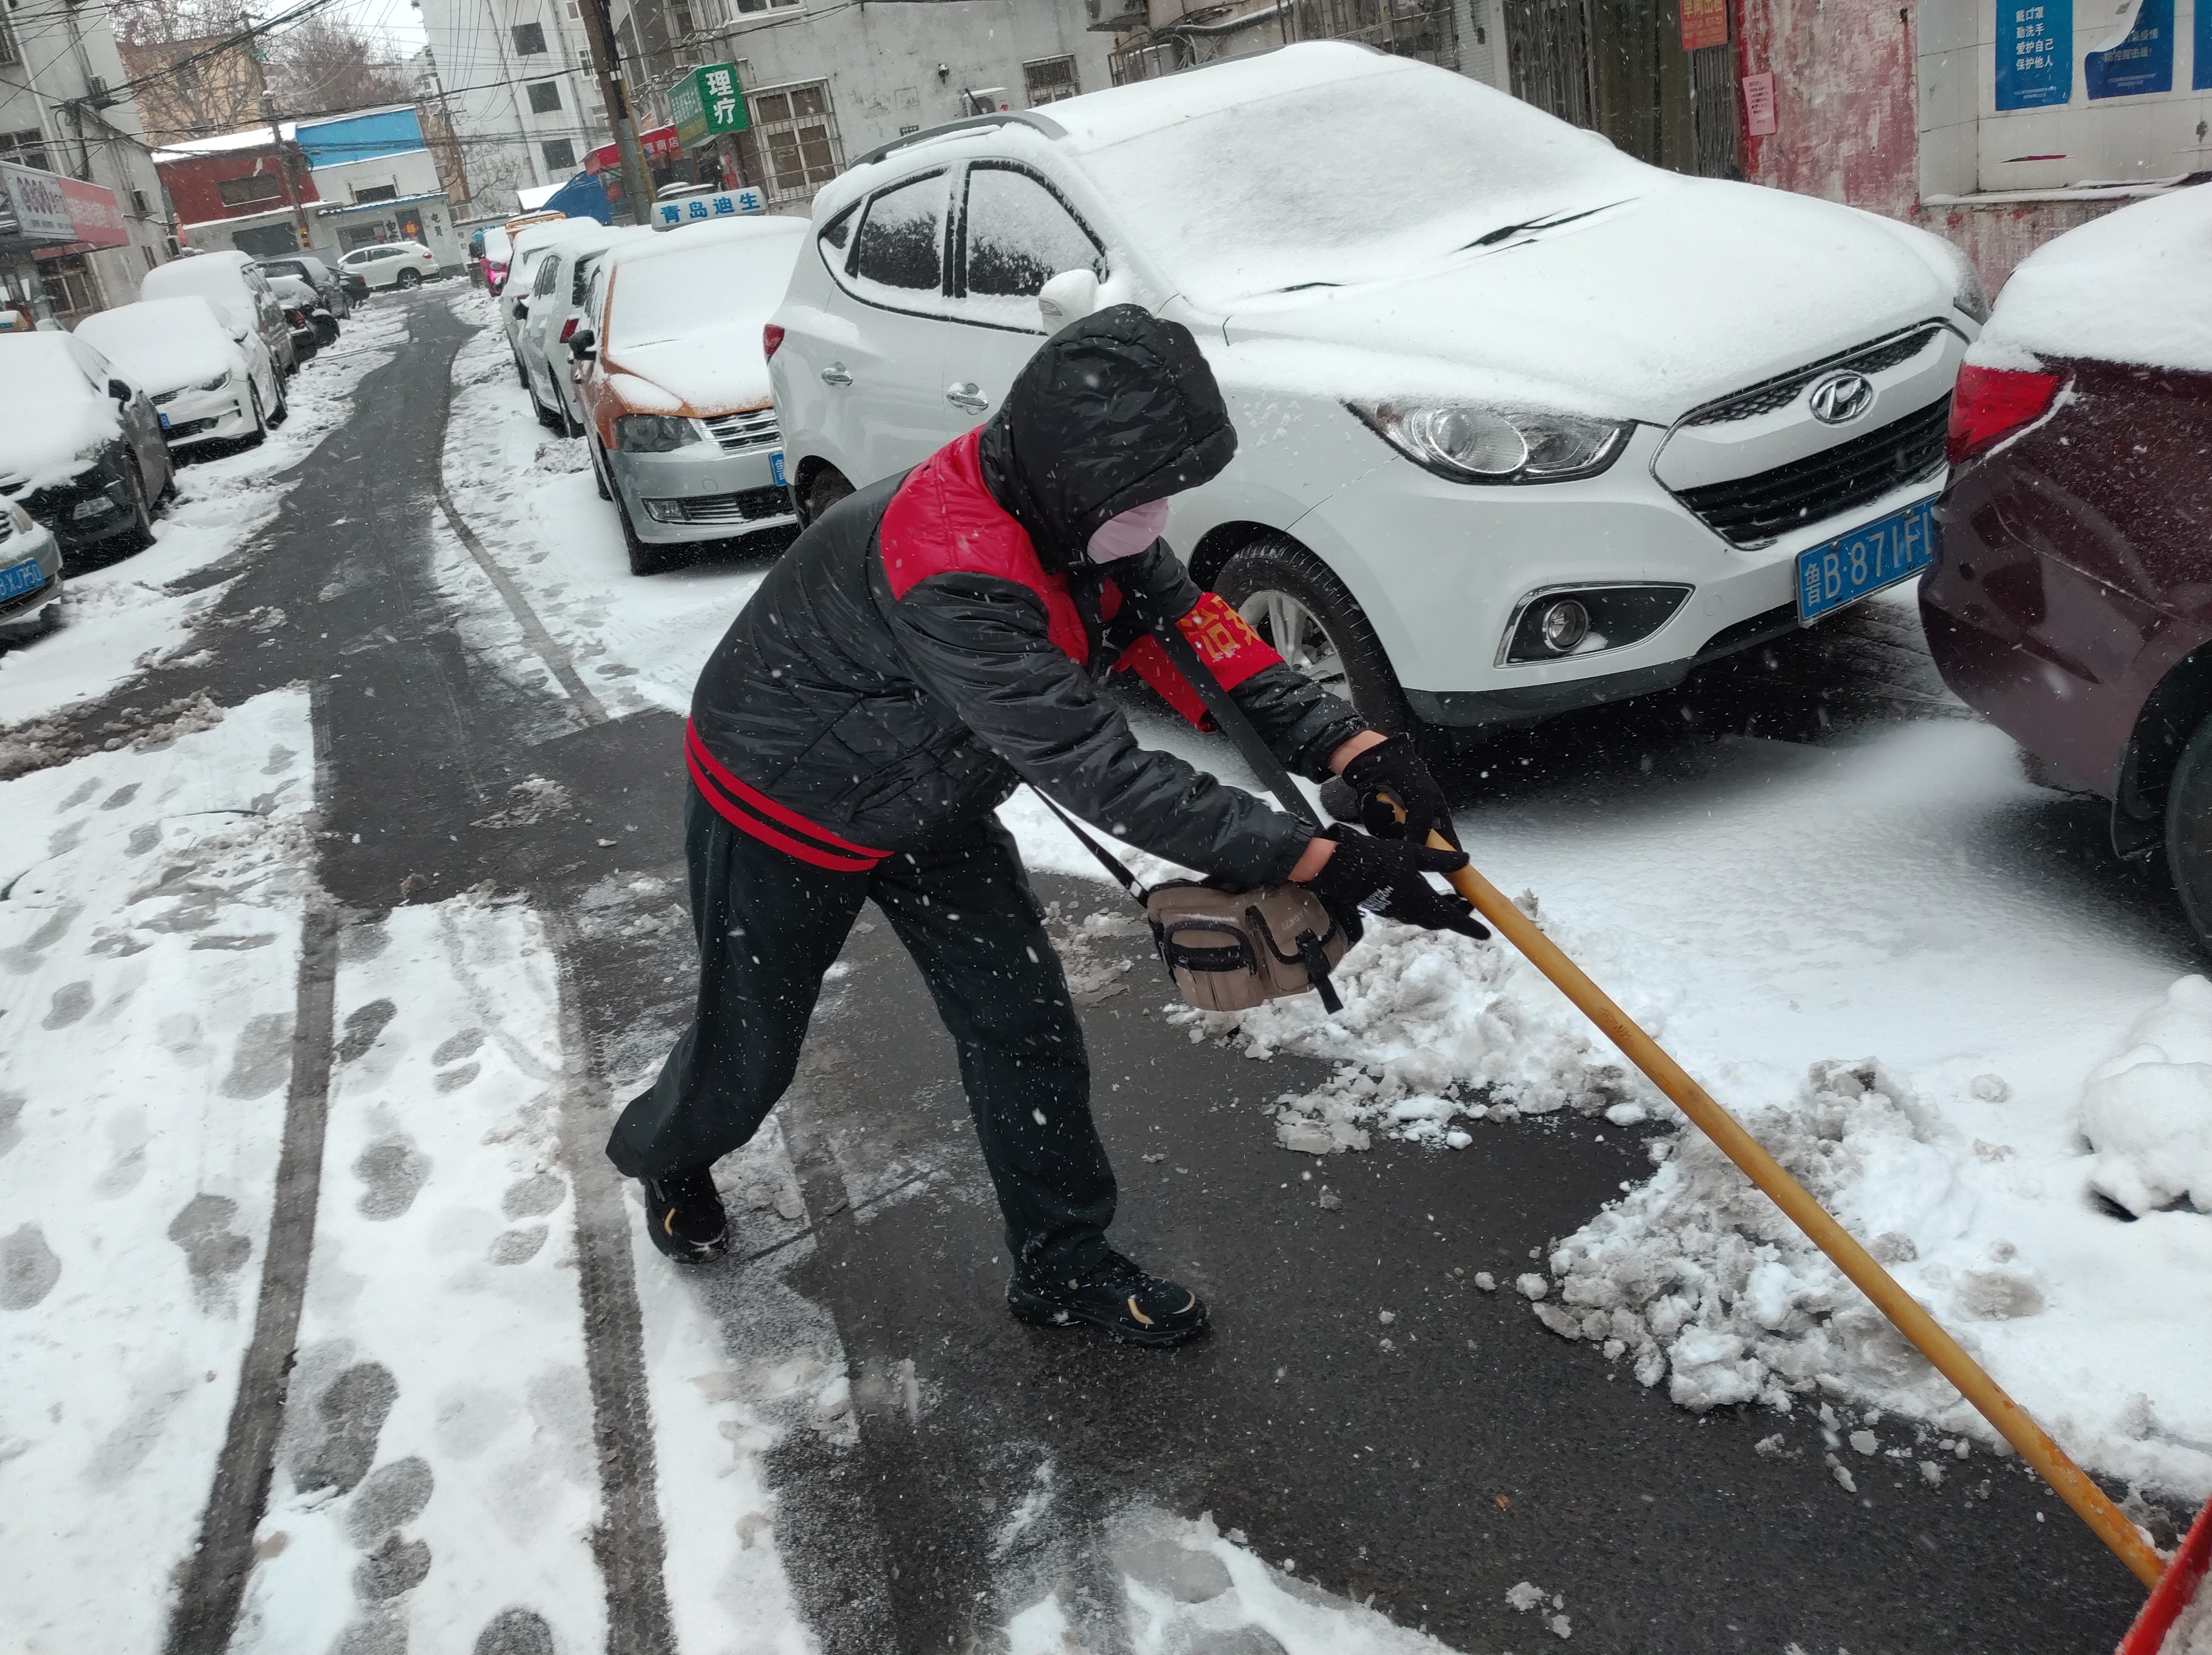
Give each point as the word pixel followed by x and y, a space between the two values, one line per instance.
pixel 1224 641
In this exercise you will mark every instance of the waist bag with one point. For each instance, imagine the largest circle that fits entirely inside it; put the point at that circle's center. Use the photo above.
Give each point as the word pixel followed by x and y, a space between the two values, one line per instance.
pixel 1226 947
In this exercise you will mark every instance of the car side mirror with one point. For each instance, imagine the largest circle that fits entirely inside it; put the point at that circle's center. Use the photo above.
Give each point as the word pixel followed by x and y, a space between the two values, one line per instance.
pixel 582 346
pixel 521 308
pixel 1069 297
pixel 120 391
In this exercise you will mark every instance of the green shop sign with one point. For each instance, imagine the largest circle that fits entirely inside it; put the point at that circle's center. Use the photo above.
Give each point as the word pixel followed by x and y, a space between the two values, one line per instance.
pixel 707 103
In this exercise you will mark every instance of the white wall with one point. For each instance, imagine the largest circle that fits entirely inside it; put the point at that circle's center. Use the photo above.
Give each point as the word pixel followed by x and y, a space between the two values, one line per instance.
pixel 412 171
pixel 502 138
pixel 1966 146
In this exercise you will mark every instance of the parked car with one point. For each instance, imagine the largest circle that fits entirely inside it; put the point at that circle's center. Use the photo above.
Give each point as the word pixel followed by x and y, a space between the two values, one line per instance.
pixel 683 431
pixel 305 313
pixel 2070 602
pixel 355 286
pixel 233 284
pixel 529 252
pixel 205 385
pixel 81 446
pixel 401 265
pixel 1527 425
pixel 317 275
pixel 30 572
pixel 497 252
pixel 557 300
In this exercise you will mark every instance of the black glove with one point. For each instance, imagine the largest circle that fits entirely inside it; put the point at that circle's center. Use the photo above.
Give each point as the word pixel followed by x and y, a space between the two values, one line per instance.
pixel 1384 876
pixel 1395 770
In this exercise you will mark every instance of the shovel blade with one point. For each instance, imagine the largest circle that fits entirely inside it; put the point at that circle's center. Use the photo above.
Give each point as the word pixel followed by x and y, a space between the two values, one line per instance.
pixel 2183 1580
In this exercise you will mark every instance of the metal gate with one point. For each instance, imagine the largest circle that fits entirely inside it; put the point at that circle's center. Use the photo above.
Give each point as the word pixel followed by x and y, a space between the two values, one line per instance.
pixel 1712 110
pixel 1548 42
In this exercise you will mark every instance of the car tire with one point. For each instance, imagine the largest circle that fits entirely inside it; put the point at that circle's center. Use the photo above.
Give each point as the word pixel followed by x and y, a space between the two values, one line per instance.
pixel 407 279
pixel 141 509
pixel 1280 587
pixel 260 416
pixel 282 410
pixel 823 489
pixel 644 558
pixel 2189 831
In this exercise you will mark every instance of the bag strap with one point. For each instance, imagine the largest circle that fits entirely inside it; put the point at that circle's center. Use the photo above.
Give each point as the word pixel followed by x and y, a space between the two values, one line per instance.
pixel 1107 859
pixel 1230 718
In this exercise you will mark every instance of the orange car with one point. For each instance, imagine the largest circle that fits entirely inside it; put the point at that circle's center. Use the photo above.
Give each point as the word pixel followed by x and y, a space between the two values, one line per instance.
pixel 673 383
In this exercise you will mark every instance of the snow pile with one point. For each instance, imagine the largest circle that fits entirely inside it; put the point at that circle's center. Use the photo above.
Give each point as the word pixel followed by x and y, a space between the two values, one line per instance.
pixel 1435 1028
pixel 2126 287
pixel 2148 1111
pixel 165 345
pixel 2100 1328
pixel 2191 1632
pixel 149 924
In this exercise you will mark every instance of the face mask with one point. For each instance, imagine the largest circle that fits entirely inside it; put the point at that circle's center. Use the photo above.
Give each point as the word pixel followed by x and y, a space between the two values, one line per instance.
pixel 1132 531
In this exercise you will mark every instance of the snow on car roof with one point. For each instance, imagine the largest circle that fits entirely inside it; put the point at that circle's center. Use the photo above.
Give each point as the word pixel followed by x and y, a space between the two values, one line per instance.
pixel 2134 286
pixel 684 310
pixel 53 415
pixel 163 344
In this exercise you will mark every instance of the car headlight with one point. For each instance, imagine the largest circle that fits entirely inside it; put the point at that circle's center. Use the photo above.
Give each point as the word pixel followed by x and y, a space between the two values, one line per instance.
pixel 214 384
pixel 653 434
pixel 1471 442
pixel 1966 294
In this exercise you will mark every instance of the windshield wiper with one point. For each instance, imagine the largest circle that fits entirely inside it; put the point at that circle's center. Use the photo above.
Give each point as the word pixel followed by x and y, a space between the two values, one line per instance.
pixel 1505 231
pixel 1300 287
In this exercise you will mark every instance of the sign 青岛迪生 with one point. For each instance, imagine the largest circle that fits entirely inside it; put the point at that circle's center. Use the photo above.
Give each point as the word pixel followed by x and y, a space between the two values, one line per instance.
pixel 699 209
pixel 707 103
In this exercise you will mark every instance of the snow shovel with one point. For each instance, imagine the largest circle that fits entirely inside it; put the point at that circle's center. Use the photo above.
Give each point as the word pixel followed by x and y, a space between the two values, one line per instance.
pixel 2011 1421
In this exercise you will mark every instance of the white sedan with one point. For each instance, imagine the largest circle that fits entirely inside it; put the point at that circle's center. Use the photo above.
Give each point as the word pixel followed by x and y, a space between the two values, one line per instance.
pixel 1526 425
pixel 209 382
pixel 391 264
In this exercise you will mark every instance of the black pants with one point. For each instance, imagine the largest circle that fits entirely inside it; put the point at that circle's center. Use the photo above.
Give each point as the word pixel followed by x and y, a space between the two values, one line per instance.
pixel 769 926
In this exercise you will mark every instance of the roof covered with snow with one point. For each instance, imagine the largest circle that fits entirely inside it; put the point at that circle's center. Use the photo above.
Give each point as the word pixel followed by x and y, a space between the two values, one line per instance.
pixel 163 344
pixel 2135 286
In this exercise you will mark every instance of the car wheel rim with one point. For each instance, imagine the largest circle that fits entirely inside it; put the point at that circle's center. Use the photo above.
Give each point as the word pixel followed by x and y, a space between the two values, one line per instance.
pixel 1297 636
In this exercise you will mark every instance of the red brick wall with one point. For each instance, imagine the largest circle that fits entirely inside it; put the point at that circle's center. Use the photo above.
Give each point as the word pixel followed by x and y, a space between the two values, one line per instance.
pixel 193 190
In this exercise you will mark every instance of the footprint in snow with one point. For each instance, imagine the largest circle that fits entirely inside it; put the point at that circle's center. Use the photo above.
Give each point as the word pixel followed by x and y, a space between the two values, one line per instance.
pixel 362 1025
pixel 395 1171
pixel 391 1496
pixel 515 1632
pixel 353 1410
pixel 71 1002
pixel 28 1269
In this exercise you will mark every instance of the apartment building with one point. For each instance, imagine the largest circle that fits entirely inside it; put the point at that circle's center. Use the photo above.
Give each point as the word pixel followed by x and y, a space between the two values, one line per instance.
pixel 65 109
pixel 514 80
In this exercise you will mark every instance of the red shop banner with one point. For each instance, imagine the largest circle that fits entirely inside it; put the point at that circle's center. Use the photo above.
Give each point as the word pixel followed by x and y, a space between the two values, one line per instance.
pixel 657 145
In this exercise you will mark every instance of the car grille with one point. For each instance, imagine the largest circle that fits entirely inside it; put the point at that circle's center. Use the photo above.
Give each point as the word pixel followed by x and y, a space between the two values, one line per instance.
pixel 1769 395
pixel 746 506
pixel 190 428
pixel 1752 511
pixel 741 433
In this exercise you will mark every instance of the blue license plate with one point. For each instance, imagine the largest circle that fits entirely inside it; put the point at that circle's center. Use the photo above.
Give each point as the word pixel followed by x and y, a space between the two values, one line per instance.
pixel 1876 555
pixel 164 417
pixel 775 468
pixel 17 579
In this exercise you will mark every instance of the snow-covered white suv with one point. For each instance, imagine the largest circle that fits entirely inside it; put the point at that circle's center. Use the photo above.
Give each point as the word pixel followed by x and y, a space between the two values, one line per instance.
pixel 1525 425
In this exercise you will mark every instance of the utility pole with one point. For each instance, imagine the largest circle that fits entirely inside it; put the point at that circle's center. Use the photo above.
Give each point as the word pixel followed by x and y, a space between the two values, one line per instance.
pixel 637 186
pixel 300 230
pixel 446 114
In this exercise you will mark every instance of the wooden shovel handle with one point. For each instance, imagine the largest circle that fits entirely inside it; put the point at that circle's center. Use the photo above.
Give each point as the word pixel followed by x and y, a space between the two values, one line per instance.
pixel 2012 1421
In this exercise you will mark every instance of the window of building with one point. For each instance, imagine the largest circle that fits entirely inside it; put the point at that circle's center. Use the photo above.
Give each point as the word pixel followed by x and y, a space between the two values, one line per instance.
pixel 763 5
pixel 8 53
pixel 70 289
pixel 1020 235
pixel 1048 80
pixel 25 148
pixel 245 192
pixel 529 39
pixel 559 154
pixel 378 192
pixel 903 237
pixel 791 148
pixel 544 96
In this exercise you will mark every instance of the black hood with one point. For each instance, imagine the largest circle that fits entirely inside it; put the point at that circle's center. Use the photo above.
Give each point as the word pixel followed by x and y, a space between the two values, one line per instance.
pixel 1114 411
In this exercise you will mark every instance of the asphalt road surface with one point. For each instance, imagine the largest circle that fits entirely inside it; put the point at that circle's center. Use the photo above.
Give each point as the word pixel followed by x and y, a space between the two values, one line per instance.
pixel 1478 1452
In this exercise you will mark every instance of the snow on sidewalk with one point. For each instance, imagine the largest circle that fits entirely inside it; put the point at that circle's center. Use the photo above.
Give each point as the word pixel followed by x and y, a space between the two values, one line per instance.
pixel 438 1473
pixel 126 617
pixel 151 910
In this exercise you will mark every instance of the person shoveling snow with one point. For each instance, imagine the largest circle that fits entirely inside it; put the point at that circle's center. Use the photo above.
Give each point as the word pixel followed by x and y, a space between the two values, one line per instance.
pixel 923 648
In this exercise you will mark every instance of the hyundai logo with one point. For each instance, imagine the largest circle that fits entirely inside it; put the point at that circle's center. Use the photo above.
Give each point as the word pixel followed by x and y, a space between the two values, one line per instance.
pixel 1841 398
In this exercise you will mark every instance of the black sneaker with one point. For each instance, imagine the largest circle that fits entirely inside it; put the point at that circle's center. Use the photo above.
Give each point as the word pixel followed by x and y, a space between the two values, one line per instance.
pixel 684 1214
pixel 1113 1294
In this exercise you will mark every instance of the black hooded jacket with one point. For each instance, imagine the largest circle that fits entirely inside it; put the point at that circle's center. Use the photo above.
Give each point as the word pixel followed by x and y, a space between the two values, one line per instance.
pixel 937 638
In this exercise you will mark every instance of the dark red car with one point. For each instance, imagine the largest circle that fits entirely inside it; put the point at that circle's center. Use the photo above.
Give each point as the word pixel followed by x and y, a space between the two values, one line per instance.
pixel 2070 598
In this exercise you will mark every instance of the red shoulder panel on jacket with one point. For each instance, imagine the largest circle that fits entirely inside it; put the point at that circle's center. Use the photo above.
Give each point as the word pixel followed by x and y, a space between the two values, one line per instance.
pixel 943 517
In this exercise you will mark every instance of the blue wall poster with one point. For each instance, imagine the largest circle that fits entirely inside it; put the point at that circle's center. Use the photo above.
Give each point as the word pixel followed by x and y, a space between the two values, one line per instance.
pixel 2035 53
pixel 2200 78
pixel 2143 61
